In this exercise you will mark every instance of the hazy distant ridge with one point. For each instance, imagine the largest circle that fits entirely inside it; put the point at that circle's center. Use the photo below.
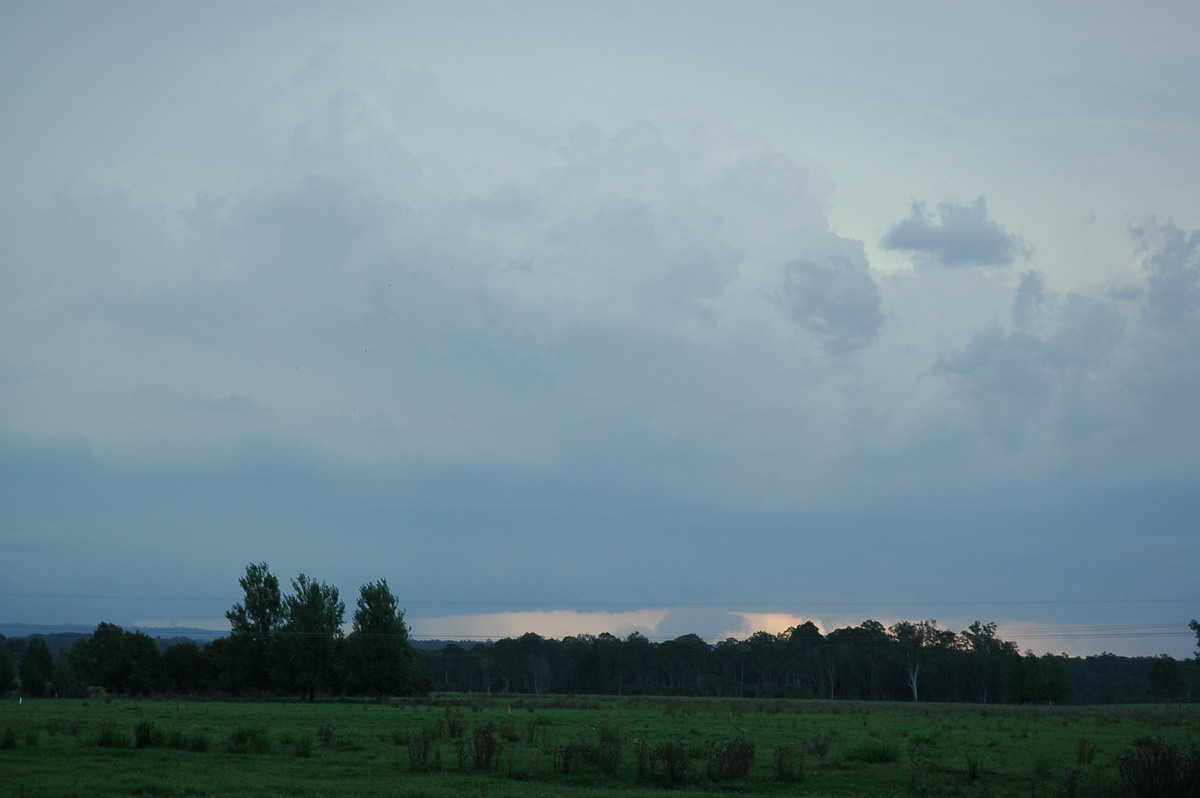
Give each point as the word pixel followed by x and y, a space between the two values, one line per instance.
pixel 165 632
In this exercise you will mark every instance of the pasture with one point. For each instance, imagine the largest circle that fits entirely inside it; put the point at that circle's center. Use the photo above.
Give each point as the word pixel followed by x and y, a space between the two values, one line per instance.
pixel 493 746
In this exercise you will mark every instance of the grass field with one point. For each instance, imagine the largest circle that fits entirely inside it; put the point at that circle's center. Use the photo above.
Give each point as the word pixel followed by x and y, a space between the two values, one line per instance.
pixel 558 746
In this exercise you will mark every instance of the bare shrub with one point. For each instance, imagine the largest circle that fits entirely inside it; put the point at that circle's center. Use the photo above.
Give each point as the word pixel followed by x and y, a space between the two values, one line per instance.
pixel 786 759
pixel 485 747
pixel 676 762
pixel 1154 768
pixel 248 740
pixel 729 760
pixel 454 723
pixel 571 758
pixel 645 758
pixel 420 745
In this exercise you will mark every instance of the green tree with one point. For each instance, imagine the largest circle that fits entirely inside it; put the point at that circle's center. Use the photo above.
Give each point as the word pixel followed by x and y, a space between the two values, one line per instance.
pixel 255 626
pixel 310 633
pixel 987 657
pixel 1054 686
pixel 918 642
pixel 1165 680
pixel 509 662
pixel 1037 680
pixel 189 667
pixel 143 671
pixel 37 666
pixel 119 661
pixel 380 655
pixel 8 671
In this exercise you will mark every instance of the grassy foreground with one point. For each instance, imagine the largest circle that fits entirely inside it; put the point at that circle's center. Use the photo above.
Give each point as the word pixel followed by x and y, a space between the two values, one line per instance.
pixel 558 746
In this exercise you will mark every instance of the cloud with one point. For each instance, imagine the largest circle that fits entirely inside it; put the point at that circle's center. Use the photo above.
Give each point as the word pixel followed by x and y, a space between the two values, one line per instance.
pixel 350 317
pixel 1031 299
pixel 1171 259
pixel 963 235
pixel 553 623
pixel 835 299
pixel 1097 378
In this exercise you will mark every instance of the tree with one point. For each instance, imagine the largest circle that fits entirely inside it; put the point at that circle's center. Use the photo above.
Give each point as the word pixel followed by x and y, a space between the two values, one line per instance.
pixel 509 662
pixel 987 656
pixel 37 666
pixel 1035 680
pixel 1166 682
pixel 255 625
pixel 119 661
pixel 310 634
pixel 916 641
pixel 189 667
pixel 8 672
pixel 380 655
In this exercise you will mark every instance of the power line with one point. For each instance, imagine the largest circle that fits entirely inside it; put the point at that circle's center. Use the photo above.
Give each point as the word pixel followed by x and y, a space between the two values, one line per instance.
pixel 650 605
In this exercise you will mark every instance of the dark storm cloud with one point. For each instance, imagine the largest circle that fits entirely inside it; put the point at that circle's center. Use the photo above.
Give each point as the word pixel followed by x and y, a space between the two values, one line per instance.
pixel 962 235
pixel 268 293
pixel 836 299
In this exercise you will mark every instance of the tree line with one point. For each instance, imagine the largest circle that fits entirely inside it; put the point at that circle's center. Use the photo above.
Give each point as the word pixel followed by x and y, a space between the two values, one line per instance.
pixel 278 644
pixel 907 661
pixel 294 644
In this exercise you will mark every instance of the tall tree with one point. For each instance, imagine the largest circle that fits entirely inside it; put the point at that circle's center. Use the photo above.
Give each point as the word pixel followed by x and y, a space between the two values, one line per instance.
pixel 987 657
pixel 918 642
pixel 255 625
pixel 310 633
pixel 381 657
pixel 1165 681
pixel 37 666
pixel 189 667
pixel 119 661
pixel 8 672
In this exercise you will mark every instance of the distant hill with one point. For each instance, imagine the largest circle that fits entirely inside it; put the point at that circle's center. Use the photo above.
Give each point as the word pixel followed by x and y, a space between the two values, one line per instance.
pixel 15 630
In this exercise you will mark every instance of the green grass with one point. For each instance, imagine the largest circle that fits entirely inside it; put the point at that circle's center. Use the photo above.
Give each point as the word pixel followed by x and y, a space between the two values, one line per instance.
pixel 556 746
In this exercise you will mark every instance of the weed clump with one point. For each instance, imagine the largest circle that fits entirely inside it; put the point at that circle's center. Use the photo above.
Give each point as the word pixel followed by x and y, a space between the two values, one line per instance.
pixel 420 745
pixel 248 740
pixel 303 747
pixel 729 760
pixel 145 735
pixel 817 746
pixel 787 758
pixel 110 737
pixel 676 762
pixel 325 733
pixel 454 723
pixel 1154 768
pixel 483 749
pixel 197 740
pixel 571 758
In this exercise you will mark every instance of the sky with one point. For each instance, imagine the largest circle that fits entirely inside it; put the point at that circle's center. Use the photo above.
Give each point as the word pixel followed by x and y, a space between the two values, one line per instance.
pixel 670 317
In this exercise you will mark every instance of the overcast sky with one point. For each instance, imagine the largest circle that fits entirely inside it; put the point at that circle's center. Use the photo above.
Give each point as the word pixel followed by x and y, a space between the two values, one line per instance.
pixel 578 317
